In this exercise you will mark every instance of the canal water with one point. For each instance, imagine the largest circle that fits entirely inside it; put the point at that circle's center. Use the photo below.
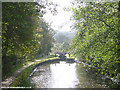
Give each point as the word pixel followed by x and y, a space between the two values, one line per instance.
pixel 65 75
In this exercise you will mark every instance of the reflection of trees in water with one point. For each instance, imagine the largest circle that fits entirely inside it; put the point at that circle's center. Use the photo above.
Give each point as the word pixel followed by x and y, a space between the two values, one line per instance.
pixel 77 73
pixel 88 79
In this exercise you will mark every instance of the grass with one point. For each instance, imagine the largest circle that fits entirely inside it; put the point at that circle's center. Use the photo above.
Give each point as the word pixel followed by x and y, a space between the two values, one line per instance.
pixel 46 59
pixel 51 56
pixel 22 79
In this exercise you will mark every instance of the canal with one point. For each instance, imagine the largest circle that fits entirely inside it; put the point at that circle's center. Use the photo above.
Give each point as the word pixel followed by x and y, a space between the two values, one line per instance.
pixel 65 75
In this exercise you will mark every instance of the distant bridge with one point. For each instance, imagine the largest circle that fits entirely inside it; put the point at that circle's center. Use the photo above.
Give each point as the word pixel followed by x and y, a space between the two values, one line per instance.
pixel 61 54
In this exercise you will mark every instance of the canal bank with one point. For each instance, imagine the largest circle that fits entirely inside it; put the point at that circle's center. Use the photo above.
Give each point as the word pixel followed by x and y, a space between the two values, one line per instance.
pixel 74 75
pixel 47 75
pixel 22 79
pixel 22 73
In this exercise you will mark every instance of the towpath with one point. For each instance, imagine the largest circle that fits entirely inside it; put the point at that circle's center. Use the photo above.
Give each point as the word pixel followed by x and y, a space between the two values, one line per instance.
pixel 8 81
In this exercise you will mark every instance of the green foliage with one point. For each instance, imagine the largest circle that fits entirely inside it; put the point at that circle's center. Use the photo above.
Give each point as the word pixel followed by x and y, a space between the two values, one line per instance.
pixel 62 41
pixel 60 47
pixel 97 40
pixel 24 34
pixel 46 37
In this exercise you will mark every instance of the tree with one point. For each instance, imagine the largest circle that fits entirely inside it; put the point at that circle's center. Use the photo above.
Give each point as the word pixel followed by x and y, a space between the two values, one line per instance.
pixel 46 38
pixel 97 37
pixel 61 37
pixel 20 40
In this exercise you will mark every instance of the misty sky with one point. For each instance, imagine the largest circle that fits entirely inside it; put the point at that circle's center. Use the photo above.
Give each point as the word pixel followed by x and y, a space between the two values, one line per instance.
pixel 61 21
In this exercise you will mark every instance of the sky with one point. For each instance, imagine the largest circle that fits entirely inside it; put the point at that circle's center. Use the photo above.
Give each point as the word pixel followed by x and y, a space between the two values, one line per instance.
pixel 61 21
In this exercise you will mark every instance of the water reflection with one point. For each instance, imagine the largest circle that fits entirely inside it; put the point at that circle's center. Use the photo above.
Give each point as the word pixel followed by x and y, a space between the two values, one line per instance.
pixel 88 80
pixel 64 75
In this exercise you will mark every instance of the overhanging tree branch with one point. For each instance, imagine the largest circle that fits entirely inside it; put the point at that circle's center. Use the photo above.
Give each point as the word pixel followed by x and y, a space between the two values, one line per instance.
pixel 106 24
